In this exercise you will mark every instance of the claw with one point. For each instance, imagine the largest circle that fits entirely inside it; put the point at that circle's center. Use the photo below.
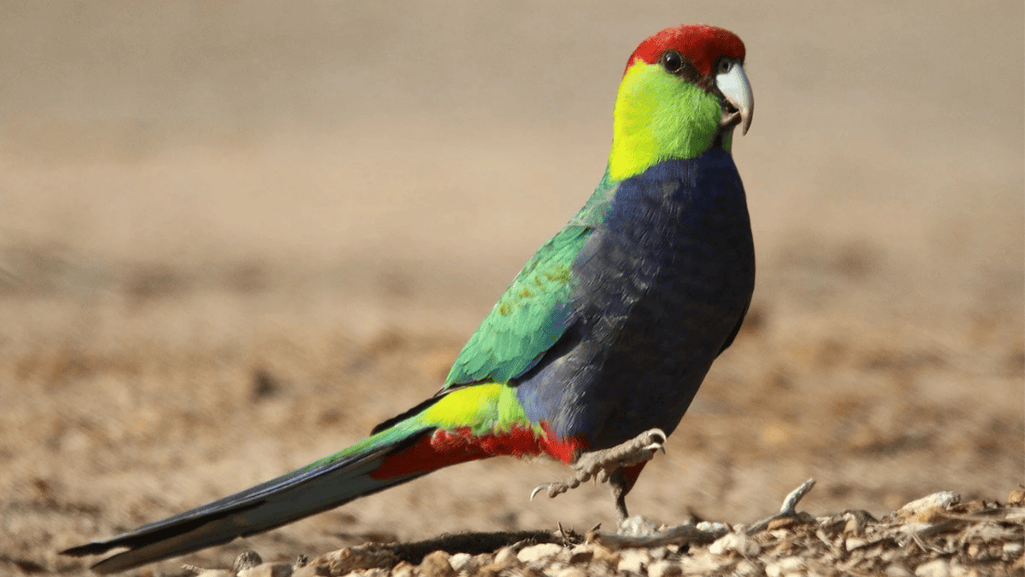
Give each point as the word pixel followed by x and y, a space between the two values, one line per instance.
pixel 600 466
pixel 537 490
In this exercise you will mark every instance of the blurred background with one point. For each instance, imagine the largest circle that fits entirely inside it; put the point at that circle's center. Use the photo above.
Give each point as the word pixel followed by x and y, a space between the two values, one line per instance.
pixel 235 236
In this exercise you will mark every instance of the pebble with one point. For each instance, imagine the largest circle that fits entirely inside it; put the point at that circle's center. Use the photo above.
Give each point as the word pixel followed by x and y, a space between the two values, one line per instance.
pixel 215 573
pixel 746 568
pixel 571 572
pixel 852 543
pixel 246 560
pixel 506 557
pixel 538 552
pixel 935 568
pixel 633 560
pixel 717 529
pixel 941 500
pixel 404 569
pixel 1013 549
pixel 664 568
pixel 786 566
pixel 897 571
pixel 735 543
pixel 638 526
pixel 460 560
pixel 436 565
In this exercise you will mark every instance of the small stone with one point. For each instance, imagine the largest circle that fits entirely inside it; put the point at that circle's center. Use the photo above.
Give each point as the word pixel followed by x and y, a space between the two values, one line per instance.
pixel 538 552
pixel 942 500
pixel 571 572
pixel 633 560
pixel 1013 549
pixel 659 552
pixel 267 570
pixel 436 564
pixel 853 525
pixel 554 567
pixel 897 571
pixel 716 529
pixel 852 543
pixel 935 568
pixel 403 569
pixel 637 526
pixel 702 562
pixel 1017 497
pixel 746 568
pixel 246 560
pixel 506 557
pixel 214 573
pixel 664 568
pixel 460 560
pixel 786 566
pixel 735 543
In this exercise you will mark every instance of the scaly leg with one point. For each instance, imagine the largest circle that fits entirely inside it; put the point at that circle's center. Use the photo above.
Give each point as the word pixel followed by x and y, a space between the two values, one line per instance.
pixel 602 465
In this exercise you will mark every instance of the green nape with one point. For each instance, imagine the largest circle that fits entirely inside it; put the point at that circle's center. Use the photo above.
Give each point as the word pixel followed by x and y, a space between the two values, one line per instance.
pixel 659 117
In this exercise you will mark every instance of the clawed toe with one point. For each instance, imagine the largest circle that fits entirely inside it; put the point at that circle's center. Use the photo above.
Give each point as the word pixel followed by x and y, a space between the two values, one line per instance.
pixel 600 465
pixel 555 489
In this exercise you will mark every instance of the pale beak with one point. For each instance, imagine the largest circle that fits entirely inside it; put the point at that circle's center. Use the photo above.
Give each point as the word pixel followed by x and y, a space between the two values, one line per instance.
pixel 734 86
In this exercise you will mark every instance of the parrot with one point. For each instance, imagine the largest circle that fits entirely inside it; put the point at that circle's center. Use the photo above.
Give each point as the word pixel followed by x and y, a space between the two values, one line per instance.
pixel 596 349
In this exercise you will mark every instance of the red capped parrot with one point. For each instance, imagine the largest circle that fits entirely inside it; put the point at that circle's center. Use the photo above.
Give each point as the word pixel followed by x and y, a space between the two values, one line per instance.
pixel 596 349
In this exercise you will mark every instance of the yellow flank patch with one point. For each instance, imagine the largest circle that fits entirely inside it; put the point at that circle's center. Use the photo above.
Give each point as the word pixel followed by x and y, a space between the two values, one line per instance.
pixel 659 117
pixel 485 407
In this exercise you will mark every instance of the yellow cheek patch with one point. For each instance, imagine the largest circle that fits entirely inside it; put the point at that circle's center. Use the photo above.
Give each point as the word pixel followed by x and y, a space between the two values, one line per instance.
pixel 659 117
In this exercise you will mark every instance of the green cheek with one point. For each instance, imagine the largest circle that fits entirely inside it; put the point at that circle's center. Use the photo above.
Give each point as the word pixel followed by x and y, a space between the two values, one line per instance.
pixel 659 117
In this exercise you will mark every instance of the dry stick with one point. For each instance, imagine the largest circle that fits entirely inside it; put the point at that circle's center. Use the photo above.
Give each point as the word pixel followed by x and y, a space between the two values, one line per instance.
pixel 689 534
pixel 787 510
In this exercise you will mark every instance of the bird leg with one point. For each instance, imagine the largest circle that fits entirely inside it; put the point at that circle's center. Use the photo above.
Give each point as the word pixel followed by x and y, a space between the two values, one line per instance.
pixel 602 466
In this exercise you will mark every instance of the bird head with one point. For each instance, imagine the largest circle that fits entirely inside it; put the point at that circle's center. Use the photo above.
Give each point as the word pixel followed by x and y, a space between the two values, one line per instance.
pixel 683 92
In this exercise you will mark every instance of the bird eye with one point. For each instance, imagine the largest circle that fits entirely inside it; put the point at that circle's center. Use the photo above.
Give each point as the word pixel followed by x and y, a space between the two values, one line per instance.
pixel 724 66
pixel 672 61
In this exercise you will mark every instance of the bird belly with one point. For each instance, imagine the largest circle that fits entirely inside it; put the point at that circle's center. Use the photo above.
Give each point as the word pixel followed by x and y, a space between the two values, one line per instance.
pixel 660 290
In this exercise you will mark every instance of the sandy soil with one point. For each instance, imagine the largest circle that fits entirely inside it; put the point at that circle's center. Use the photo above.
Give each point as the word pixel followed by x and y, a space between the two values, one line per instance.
pixel 234 237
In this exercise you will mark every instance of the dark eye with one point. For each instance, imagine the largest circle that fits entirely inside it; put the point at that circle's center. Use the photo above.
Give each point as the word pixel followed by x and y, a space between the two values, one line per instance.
pixel 724 66
pixel 672 61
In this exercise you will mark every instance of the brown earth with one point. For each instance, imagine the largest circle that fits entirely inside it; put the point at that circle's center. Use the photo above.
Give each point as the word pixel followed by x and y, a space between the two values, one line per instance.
pixel 233 237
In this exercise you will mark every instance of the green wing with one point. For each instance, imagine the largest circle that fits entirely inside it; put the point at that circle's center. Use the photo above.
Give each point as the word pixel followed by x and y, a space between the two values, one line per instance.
pixel 533 313
pixel 536 309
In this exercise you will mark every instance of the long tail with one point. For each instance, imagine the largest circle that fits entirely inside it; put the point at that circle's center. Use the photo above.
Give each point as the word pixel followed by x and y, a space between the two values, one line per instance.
pixel 463 425
pixel 317 487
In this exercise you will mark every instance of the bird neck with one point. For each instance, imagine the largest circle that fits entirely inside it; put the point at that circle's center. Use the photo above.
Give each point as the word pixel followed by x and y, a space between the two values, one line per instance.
pixel 660 117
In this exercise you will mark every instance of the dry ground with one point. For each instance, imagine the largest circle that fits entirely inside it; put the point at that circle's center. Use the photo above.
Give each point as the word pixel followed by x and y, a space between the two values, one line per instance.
pixel 233 237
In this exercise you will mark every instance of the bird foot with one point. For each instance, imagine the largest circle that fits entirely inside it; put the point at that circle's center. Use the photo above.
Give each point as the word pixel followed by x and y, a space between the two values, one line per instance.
pixel 600 465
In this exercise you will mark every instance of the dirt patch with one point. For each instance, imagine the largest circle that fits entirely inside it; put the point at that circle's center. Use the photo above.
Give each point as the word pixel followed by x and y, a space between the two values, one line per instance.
pixel 234 239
